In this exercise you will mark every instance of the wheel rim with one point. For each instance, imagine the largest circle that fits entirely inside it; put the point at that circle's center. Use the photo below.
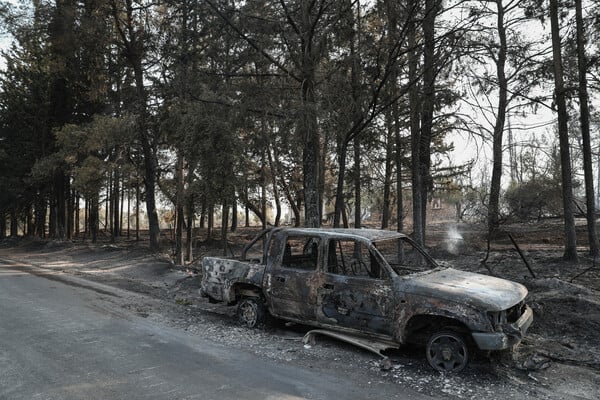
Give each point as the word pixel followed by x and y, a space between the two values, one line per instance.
pixel 447 353
pixel 248 313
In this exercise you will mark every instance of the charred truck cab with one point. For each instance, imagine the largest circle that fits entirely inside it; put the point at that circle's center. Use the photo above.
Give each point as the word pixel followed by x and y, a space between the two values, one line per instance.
pixel 371 285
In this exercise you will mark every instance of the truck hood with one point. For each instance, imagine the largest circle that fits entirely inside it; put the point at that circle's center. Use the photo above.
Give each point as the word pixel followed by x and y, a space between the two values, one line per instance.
pixel 476 290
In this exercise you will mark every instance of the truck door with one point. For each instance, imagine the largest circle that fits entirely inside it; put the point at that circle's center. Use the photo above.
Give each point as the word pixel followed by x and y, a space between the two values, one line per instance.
pixel 356 291
pixel 293 263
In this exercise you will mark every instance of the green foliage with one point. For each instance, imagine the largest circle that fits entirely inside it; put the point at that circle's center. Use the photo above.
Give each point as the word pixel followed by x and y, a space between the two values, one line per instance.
pixel 52 79
pixel 90 151
pixel 43 169
pixel 223 88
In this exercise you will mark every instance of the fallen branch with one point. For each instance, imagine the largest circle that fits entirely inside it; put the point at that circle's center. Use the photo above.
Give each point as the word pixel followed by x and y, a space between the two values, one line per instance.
pixel 522 255
pixel 584 271
pixel 487 255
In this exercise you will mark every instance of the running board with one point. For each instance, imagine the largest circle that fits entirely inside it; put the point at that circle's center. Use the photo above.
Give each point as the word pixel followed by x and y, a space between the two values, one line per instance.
pixel 372 345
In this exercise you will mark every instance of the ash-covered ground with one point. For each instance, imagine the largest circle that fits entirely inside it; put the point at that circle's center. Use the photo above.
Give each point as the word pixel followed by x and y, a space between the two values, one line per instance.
pixel 559 358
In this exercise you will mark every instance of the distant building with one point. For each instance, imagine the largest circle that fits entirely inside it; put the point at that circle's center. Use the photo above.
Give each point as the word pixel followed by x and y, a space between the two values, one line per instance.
pixel 438 210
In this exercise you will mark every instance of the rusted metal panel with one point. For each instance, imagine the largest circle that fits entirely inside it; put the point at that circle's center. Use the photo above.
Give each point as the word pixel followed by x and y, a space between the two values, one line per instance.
pixel 291 294
pixel 220 275
pixel 415 306
pixel 476 290
pixel 359 303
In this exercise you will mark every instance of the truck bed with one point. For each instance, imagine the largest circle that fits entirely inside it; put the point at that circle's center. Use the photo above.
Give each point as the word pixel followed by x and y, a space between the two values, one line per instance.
pixel 220 275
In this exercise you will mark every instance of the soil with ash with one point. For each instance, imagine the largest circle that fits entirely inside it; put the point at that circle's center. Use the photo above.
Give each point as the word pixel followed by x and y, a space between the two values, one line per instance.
pixel 558 359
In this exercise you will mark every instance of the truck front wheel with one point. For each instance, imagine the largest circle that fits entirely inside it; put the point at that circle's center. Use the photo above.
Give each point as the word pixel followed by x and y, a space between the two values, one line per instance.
pixel 251 312
pixel 447 351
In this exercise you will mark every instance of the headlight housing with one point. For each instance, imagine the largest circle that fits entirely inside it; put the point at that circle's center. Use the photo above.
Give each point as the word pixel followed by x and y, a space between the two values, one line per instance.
pixel 500 318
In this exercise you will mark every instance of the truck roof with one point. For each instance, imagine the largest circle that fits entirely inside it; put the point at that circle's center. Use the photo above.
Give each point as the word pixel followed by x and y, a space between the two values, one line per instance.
pixel 369 234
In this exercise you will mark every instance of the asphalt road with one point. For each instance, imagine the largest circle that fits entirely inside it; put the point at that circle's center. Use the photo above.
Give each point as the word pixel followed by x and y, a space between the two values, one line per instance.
pixel 62 341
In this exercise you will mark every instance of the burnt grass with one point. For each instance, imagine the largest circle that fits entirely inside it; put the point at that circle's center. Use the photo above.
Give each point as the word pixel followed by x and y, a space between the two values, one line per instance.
pixel 559 358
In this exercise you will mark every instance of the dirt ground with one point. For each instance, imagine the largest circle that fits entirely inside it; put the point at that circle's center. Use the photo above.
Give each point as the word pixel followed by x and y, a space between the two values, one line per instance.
pixel 559 358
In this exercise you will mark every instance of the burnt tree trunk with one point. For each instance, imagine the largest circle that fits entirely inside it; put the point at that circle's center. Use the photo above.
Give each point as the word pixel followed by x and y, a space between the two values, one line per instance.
pixel 41 209
pixel 121 210
pixel 308 128
pixel 129 212
pixel 211 221
pixel 387 181
pixel 132 45
pixel 584 116
pixel 86 218
pixel 116 196
pixel 224 226
pixel 30 222
pixel 339 192
pixel 2 226
pixel 234 216
pixel 77 217
pixel 287 193
pixel 137 213
pixel 189 250
pixel 415 135
pixel 179 213
pixel 429 77
pixel 570 253
pixel 275 188
pixel 263 193
pixel 357 184
pixel 59 205
pixel 14 223
pixel 494 202
pixel 94 216
pixel 108 204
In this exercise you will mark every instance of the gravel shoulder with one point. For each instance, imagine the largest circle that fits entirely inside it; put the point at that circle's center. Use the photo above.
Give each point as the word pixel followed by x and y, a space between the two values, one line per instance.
pixel 560 358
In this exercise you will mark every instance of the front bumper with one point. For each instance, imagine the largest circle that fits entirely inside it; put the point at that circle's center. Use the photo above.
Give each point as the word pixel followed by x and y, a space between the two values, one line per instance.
pixel 511 333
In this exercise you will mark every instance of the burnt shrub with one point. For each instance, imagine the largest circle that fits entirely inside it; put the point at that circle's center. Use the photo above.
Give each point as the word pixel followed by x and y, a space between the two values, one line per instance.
pixel 534 199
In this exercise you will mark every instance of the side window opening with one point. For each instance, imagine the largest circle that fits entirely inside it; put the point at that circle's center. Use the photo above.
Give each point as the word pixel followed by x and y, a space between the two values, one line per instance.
pixel 352 258
pixel 301 252
pixel 255 250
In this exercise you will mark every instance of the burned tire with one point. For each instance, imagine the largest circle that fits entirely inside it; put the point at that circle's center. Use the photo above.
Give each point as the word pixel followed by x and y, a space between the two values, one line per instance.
pixel 447 351
pixel 251 312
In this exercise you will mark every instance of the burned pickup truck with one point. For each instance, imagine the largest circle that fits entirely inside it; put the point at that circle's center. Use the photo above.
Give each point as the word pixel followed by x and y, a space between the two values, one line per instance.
pixel 371 284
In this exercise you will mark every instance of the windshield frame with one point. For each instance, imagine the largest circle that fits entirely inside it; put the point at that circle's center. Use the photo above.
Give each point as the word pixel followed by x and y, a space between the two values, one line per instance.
pixel 432 264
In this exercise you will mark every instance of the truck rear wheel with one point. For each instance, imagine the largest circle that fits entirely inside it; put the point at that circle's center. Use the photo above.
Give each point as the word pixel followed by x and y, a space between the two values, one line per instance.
pixel 447 351
pixel 251 312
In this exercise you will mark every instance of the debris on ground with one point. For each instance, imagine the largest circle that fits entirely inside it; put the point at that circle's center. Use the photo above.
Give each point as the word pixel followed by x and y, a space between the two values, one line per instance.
pixel 558 359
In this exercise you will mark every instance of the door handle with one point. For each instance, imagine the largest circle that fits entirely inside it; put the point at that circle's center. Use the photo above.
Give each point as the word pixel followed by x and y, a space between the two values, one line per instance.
pixel 280 279
pixel 328 286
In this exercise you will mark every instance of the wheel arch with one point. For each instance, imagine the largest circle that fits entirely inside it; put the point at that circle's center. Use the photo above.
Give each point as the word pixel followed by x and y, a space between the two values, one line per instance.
pixel 420 326
pixel 241 290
